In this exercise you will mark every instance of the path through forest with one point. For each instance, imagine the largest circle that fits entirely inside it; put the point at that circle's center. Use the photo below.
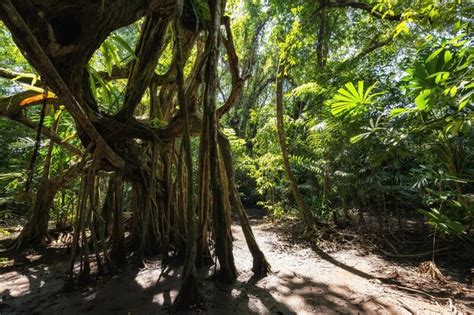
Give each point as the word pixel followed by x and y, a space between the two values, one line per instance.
pixel 302 282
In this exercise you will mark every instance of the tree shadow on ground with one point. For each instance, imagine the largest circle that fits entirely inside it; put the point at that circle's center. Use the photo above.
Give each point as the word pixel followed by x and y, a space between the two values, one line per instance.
pixel 30 257
pixel 429 291
pixel 405 280
pixel 36 288
pixel 152 291
pixel 287 293
pixel 24 287
pixel 321 253
pixel 30 276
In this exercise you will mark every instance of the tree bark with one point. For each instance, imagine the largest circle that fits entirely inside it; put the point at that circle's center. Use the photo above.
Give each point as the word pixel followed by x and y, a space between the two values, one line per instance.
pixel 204 257
pixel 118 253
pixel 303 208
pixel 35 232
pixel 189 291
pixel 220 208
pixel 260 265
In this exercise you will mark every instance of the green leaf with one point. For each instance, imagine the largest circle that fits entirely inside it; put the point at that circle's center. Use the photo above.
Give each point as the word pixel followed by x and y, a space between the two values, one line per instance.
pixel 367 92
pixel 310 88
pixel 5 176
pixel 119 40
pixel 361 90
pixel 422 99
pixel 453 91
pixel 397 111
pixel 344 98
pixel 401 27
pixel 360 137
pixel 351 88
pixel 434 55
pixel 447 56
pixel 348 94
pixel 465 99
pixel 350 98
pixel 442 222
pixel 203 10
pixel 438 74
pixel 462 105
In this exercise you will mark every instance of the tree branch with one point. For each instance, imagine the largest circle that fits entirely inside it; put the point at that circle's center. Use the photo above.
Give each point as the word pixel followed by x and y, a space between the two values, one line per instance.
pixel 361 6
pixel 237 81
pixel 375 44
pixel 142 70
pixel 19 77
pixel 42 62
pixel 11 106
pixel 47 132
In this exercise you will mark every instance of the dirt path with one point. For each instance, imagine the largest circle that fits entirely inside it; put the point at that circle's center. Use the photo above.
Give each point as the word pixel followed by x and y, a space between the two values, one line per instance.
pixel 303 282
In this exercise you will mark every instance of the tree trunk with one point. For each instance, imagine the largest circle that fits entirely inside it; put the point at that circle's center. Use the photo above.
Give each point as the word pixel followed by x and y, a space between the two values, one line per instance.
pixel 220 207
pixel 118 253
pixel 260 265
pixel 35 232
pixel 204 257
pixel 304 210
pixel 189 290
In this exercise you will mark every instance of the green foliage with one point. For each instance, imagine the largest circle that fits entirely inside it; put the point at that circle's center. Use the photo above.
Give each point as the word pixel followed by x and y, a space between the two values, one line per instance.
pixel 277 209
pixel 384 123
pixel 306 89
pixel 444 77
pixel 202 10
pixel 443 222
pixel 353 101
pixel 405 141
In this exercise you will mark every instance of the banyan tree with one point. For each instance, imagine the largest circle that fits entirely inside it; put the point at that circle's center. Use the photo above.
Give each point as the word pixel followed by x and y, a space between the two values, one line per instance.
pixel 177 208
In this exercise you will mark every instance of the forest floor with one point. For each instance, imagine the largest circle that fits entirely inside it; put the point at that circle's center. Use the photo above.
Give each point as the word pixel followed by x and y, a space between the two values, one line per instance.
pixel 305 280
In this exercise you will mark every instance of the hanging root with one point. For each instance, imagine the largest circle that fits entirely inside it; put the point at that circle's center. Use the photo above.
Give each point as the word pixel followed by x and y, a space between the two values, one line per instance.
pixel 261 267
pixel 84 234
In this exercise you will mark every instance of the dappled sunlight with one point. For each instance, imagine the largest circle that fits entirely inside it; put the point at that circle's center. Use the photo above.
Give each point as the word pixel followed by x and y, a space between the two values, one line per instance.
pixel 317 283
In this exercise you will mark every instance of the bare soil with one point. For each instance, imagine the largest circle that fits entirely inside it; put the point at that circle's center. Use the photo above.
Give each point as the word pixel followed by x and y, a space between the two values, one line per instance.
pixel 305 280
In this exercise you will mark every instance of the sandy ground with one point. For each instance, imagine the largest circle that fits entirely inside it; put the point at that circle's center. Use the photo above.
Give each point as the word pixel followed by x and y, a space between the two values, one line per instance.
pixel 304 281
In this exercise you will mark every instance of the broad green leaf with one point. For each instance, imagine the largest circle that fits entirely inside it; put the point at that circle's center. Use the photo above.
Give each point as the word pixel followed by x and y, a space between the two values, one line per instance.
pixel 119 40
pixel 397 111
pixel 422 100
pixel 447 56
pixel 453 91
pixel 348 94
pixel 434 55
pixel 344 98
pixel 360 89
pixel 351 98
pixel 401 27
pixel 351 88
